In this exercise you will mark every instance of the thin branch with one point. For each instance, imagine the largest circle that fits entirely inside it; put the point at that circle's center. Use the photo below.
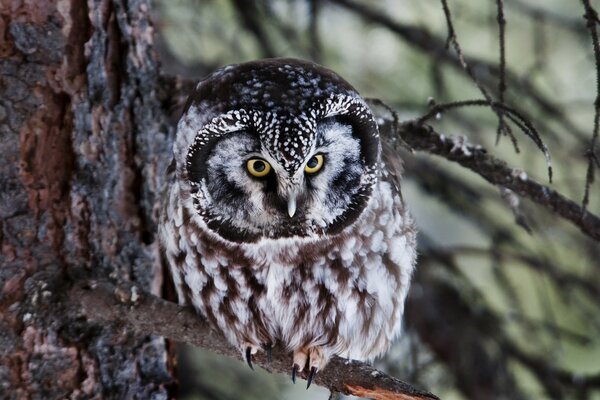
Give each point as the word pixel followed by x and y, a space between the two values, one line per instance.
pixel 592 20
pixel 452 39
pixel 495 171
pixel 502 65
pixel 512 114
pixel 149 315
pixel 395 120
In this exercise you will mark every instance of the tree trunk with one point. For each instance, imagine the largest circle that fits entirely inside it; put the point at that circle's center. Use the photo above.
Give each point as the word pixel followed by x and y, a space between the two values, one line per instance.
pixel 84 142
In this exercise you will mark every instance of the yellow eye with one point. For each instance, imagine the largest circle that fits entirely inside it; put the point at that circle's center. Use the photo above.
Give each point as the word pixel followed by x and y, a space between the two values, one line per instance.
pixel 315 164
pixel 258 167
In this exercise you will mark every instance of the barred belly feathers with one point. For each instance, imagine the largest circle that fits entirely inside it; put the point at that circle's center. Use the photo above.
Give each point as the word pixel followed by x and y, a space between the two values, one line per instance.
pixel 283 220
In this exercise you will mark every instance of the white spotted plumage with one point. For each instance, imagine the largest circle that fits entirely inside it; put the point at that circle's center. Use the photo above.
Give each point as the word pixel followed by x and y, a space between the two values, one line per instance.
pixel 329 279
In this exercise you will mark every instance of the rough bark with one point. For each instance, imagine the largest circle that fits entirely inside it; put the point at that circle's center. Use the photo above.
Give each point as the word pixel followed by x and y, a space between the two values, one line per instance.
pixel 81 131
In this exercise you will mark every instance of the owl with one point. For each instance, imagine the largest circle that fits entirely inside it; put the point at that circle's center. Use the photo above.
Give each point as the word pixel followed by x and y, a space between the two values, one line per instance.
pixel 283 220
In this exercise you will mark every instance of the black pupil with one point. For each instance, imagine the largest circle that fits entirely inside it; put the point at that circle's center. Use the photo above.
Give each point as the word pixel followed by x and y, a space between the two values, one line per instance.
pixel 259 166
pixel 312 163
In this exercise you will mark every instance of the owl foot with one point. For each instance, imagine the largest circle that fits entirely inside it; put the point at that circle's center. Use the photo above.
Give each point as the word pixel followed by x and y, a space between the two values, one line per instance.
pixel 313 357
pixel 250 350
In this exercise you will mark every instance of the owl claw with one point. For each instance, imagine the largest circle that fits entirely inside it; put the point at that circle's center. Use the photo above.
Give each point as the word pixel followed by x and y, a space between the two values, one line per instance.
pixel 311 375
pixel 249 357
pixel 313 357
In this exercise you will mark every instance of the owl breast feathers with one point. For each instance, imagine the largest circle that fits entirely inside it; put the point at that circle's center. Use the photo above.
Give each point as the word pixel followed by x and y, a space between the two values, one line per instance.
pixel 283 220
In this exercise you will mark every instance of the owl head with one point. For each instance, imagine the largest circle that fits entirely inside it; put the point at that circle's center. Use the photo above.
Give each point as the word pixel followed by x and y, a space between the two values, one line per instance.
pixel 276 148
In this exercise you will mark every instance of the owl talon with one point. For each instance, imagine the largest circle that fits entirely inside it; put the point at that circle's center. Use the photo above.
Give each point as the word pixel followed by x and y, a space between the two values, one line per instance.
pixel 249 357
pixel 300 358
pixel 312 357
pixel 295 370
pixel 311 375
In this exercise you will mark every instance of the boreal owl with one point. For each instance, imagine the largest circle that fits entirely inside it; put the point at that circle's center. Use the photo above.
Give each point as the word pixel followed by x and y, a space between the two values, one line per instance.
pixel 283 220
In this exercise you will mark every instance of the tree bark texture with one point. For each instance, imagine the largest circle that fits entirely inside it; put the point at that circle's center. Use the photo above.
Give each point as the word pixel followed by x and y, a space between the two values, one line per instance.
pixel 83 145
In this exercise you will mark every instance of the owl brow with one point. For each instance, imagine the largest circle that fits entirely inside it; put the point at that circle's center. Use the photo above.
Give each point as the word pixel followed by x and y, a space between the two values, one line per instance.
pixel 232 121
pixel 225 124
pixel 339 104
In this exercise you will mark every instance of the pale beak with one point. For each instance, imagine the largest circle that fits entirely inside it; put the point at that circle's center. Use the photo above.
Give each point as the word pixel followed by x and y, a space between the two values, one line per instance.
pixel 292 205
pixel 291 189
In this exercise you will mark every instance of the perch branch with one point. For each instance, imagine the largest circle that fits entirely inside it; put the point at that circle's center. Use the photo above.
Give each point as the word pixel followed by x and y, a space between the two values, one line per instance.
pixel 475 158
pixel 147 314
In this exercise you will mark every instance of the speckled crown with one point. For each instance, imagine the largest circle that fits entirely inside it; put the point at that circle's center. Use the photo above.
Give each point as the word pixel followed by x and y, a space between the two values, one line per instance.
pixel 281 100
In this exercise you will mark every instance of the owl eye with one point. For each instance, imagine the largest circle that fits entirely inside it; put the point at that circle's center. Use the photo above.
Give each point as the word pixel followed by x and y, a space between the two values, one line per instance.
pixel 315 164
pixel 258 167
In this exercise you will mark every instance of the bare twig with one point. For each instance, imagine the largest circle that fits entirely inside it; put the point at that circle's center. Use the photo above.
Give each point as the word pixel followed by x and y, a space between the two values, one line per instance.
pixel 144 313
pixel 395 120
pixel 502 65
pixel 516 117
pixel 453 40
pixel 591 17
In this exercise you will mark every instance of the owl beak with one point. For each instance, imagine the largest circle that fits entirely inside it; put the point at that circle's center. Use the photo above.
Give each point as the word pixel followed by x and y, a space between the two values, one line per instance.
pixel 292 206
pixel 290 191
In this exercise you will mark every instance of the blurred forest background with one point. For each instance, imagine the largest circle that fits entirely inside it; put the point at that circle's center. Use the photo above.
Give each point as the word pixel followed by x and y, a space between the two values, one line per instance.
pixel 506 299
